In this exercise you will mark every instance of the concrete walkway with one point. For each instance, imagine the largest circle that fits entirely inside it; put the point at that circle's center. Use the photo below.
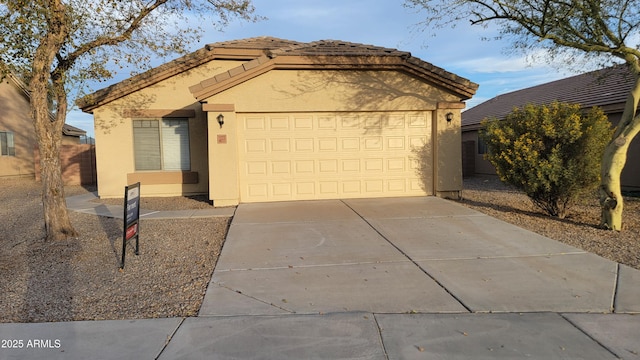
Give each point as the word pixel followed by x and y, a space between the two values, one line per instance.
pixel 406 278
pixel 85 204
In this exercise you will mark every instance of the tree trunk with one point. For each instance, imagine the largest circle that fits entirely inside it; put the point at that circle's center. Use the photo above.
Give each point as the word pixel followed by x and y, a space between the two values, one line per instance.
pixel 614 159
pixel 611 200
pixel 49 134
pixel 49 131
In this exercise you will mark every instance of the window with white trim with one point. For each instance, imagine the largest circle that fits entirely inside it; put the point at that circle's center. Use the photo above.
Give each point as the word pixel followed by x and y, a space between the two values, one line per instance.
pixel 161 144
pixel 7 147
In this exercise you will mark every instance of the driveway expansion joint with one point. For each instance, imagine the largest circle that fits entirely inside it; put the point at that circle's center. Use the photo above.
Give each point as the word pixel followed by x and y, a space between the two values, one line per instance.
pixel 409 258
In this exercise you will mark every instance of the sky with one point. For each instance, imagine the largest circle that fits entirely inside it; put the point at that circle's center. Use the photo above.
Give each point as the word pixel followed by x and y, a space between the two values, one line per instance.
pixel 384 23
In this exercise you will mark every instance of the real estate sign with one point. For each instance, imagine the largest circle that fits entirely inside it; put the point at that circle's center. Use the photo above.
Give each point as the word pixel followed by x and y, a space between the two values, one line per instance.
pixel 131 218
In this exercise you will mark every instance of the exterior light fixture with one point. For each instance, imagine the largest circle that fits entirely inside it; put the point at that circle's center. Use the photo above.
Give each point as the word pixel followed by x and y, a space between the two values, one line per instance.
pixel 220 120
pixel 449 117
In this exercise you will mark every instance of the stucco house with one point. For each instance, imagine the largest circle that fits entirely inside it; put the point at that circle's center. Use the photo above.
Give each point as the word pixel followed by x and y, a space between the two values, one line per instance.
pixel 606 88
pixel 17 135
pixel 268 119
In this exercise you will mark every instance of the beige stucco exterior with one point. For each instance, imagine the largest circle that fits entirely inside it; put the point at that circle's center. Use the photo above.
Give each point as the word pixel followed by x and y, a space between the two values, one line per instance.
pixel 312 96
pixel 114 135
pixel 16 118
pixel 294 129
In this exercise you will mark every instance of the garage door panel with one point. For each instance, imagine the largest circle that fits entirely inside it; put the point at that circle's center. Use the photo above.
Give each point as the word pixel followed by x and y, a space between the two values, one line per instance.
pixel 417 121
pixel 372 122
pixel 396 121
pixel 305 167
pixel 281 145
pixel 328 144
pixel 373 165
pixel 282 190
pixel 350 144
pixel 255 146
pixel 254 168
pixel 351 187
pixel 373 143
pixel 305 190
pixel 303 145
pixel 373 187
pixel 396 164
pixel 303 123
pixel 279 123
pixel 324 156
pixel 350 123
pixel 281 167
pixel 396 143
pixel 327 123
pixel 257 191
pixel 255 123
pixel 396 185
pixel 351 165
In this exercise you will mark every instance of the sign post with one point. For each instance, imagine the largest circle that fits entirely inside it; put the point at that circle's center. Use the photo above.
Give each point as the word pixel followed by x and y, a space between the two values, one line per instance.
pixel 131 218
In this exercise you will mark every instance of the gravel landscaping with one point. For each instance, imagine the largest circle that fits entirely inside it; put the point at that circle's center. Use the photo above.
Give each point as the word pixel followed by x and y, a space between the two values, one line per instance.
pixel 580 228
pixel 79 279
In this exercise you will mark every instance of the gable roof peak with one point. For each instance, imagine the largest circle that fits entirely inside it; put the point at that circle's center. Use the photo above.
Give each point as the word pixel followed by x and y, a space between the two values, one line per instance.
pixel 262 52
pixel 254 43
pixel 337 48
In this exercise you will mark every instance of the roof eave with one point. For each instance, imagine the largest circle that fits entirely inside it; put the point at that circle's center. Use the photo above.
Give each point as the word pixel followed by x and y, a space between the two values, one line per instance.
pixel 69 130
pixel 221 82
pixel 104 96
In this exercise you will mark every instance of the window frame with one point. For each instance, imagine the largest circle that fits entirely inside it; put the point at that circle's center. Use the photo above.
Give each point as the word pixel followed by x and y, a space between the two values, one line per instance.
pixel 162 144
pixel 7 144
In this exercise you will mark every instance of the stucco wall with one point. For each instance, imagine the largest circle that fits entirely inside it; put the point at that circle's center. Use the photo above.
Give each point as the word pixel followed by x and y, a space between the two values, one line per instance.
pixel 313 91
pixel 15 117
pixel 482 165
pixel 449 158
pixel 114 133
pixel 274 91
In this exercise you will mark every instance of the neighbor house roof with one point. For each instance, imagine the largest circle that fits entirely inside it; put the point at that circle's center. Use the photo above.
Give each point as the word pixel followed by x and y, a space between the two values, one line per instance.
pixel 607 88
pixel 262 54
pixel 69 130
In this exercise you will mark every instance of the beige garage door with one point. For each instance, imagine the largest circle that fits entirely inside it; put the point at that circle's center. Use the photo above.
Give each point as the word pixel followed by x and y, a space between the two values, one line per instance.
pixel 333 156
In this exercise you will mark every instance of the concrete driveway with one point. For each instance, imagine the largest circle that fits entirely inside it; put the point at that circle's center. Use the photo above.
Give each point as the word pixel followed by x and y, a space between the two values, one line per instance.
pixel 404 255
pixel 410 278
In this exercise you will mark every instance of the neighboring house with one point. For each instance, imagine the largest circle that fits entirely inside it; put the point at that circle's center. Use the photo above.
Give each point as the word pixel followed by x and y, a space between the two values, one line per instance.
pixel 17 135
pixel 607 88
pixel 267 119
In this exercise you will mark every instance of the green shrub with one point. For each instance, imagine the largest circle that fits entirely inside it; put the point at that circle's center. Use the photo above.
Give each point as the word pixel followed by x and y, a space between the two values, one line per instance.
pixel 550 152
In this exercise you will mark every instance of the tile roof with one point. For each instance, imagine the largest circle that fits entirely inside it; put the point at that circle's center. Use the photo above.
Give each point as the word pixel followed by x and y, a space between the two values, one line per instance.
pixel 261 42
pixel 607 88
pixel 334 54
pixel 70 130
pixel 338 48
pixel 260 52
